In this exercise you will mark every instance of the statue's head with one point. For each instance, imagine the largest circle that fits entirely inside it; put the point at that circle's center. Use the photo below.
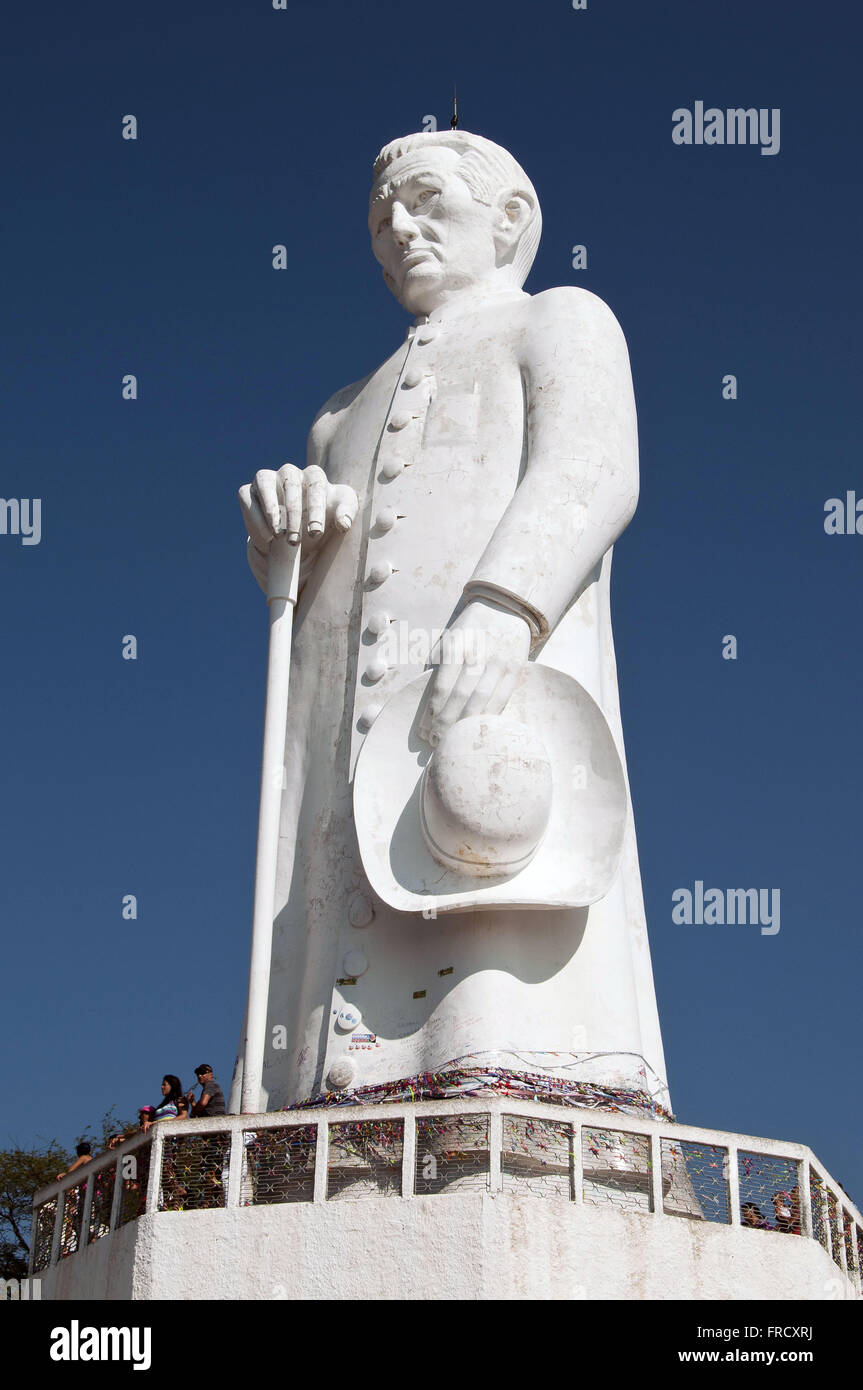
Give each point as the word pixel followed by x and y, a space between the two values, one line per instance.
pixel 451 211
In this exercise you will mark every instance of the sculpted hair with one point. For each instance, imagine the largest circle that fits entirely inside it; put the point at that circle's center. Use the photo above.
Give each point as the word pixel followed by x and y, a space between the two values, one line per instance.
pixel 487 169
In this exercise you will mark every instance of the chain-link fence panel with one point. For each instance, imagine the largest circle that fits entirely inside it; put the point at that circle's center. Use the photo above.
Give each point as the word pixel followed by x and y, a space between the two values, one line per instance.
pixel 817 1196
pixel 616 1169
pixel 103 1199
pixel 769 1192
pixel 834 1216
pixel 452 1154
pixel 73 1216
pixel 43 1234
pixel 278 1165
pixel 134 1169
pixel 194 1172
pixel 695 1180
pixel 536 1156
pixel 365 1159
pixel 850 1246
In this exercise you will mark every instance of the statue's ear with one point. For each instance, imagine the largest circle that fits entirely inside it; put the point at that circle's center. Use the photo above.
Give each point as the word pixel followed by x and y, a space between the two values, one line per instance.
pixel 514 211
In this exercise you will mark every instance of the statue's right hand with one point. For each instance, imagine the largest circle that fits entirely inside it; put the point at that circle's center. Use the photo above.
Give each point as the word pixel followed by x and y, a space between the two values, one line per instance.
pixel 298 501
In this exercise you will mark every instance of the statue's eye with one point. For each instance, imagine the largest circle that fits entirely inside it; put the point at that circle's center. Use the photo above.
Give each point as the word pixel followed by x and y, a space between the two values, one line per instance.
pixel 426 196
pixel 384 222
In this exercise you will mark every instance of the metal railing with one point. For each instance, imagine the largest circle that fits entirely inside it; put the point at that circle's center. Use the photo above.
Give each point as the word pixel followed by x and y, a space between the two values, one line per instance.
pixel 411 1151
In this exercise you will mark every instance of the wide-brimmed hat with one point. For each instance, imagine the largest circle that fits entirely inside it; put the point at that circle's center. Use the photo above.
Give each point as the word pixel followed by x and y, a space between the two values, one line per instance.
pixel 523 809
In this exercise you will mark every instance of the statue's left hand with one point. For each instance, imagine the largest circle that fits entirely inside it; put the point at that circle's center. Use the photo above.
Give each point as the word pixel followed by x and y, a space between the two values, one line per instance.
pixel 478 661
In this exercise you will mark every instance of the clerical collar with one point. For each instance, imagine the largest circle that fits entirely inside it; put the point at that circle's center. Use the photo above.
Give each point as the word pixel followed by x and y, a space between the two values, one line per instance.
pixel 468 303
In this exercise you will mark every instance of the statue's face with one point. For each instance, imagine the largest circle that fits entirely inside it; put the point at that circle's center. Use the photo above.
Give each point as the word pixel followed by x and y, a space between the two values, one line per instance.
pixel 428 233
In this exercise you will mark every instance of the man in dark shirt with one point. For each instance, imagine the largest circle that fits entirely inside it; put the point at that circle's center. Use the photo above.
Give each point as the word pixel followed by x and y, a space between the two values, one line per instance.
pixel 212 1100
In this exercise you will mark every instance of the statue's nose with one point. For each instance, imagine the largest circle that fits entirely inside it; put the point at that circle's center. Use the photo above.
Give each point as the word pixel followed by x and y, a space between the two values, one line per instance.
pixel 405 230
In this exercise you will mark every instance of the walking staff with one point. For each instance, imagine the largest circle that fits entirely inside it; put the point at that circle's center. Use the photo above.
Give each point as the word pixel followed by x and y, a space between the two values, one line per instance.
pixel 276 529
pixel 283 572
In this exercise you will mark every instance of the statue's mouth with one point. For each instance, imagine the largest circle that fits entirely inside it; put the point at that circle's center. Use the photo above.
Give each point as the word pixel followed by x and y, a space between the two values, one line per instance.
pixel 415 257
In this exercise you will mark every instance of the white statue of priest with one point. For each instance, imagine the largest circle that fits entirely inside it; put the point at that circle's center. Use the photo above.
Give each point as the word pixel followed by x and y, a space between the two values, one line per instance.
pixel 458 887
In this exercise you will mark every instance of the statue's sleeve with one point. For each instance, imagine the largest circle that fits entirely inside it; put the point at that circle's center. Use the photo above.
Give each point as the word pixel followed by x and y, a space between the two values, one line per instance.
pixel 580 483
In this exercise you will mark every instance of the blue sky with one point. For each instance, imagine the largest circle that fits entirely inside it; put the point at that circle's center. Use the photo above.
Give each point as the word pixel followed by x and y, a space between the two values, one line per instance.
pixel 258 127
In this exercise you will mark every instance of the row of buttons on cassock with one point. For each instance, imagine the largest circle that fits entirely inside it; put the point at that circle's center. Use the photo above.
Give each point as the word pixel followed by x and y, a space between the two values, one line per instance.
pixel 379 571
